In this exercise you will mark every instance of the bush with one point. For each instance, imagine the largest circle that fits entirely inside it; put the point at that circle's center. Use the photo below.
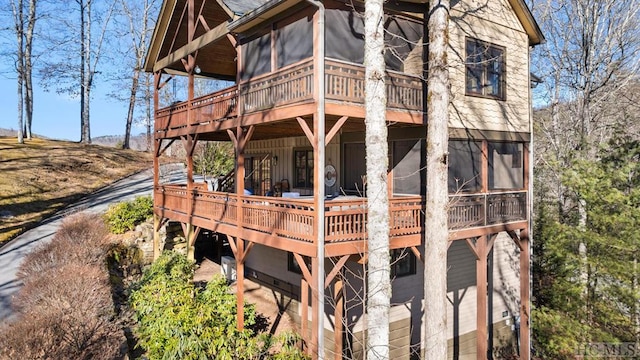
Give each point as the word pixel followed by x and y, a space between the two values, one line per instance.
pixel 81 239
pixel 124 216
pixel 65 309
pixel 177 320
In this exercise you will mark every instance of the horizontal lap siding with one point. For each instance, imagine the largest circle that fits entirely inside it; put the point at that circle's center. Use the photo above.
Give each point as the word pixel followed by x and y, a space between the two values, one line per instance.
pixel 502 29
pixel 461 289
pixel 506 278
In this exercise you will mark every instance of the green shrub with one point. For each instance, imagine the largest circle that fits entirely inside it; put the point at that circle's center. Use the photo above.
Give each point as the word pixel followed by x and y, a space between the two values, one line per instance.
pixel 124 216
pixel 178 320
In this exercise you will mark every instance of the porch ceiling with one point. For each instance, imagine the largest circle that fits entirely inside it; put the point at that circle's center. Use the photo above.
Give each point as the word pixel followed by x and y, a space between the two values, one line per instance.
pixel 291 128
pixel 215 60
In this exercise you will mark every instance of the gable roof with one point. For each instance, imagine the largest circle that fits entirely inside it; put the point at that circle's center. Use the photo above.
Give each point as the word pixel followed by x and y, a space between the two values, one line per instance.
pixel 170 43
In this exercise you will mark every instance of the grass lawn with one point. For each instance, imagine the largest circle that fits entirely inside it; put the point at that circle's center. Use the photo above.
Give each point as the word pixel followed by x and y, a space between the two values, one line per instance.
pixel 42 176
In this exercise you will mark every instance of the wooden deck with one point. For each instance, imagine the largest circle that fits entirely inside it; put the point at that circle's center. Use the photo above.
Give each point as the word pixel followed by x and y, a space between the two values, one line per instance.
pixel 290 87
pixel 287 223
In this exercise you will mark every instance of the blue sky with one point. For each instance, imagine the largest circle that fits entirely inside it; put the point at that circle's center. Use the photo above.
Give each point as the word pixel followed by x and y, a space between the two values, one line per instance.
pixel 58 116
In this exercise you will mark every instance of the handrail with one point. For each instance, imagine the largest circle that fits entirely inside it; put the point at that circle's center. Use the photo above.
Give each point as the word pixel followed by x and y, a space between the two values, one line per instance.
pixel 345 219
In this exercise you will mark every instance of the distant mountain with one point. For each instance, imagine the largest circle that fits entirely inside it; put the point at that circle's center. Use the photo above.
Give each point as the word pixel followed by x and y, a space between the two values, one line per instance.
pixel 136 142
pixel 11 132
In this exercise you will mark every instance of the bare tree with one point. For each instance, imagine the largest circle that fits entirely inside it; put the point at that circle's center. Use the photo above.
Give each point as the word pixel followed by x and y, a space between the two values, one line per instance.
pixel 28 67
pixel 378 277
pixel 75 49
pixel 18 15
pixel 140 27
pixel 436 238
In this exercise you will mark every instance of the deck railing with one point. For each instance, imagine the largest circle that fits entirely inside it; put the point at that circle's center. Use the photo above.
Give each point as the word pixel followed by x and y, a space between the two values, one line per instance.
pixel 288 86
pixel 345 220
pixel 345 82
pixel 217 106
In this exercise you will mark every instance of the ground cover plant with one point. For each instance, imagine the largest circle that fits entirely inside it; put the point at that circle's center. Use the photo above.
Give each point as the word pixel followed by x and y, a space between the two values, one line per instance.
pixel 124 216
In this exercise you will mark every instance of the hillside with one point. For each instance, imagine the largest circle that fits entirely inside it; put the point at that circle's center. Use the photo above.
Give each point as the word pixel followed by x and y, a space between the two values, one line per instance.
pixel 43 176
pixel 136 142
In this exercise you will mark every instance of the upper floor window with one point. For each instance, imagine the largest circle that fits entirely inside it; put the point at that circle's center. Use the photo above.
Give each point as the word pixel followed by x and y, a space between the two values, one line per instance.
pixel 485 69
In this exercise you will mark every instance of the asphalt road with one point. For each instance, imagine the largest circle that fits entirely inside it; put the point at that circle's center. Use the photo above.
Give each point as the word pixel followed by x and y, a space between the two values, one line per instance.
pixel 13 253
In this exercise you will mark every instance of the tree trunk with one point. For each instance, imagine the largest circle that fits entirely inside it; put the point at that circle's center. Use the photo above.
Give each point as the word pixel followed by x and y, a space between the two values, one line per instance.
pixel 149 119
pixel 378 277
pixel 18 15
pixel 28 68
pixel 132 104
pixel 436 238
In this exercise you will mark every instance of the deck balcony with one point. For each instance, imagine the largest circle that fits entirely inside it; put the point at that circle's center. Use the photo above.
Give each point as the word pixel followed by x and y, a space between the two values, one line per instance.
pixel 289 223
pixel 287 94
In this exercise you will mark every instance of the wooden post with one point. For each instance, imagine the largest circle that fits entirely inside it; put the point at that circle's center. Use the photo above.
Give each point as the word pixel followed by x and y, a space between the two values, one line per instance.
pixel 525 309
pixel 314 307
pixel 156 236
pixel 240 282
pixel 304 312
pixel 338 317
pixel 481 299
pixel 484 173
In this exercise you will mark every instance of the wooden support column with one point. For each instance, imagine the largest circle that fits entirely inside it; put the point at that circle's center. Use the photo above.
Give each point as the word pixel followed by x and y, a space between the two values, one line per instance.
pixel 240 283
pixel 156 237
pixel 484 174
pixel 240 253
pixel 525 306
pixel 313 346
pixel 338 317
pixel 481 299
pixel 304 313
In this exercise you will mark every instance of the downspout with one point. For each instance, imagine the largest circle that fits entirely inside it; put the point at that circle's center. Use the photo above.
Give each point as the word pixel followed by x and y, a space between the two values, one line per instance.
pixel 320 133
pixel 530 205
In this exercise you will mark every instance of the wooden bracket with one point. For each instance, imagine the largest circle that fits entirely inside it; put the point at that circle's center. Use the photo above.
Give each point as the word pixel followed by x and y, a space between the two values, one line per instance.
pixel 303 266
pixel 515 239
pixel 417 254
pixel 334 130
pixel 336 268
pixel 307 131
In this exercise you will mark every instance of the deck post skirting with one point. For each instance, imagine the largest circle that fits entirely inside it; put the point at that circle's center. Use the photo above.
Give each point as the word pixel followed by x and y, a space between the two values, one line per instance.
pixel 338 328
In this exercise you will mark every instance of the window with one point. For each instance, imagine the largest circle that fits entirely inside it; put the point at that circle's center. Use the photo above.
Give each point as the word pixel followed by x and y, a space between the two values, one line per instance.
pixel 465 162
pixel 485 70
pixel 506 170
pixel 403 263
pixel 408 167
pixel 303 168
pixel 292 264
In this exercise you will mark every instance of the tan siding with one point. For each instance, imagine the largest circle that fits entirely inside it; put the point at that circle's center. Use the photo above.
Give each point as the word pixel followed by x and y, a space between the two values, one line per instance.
pixel 506 278
pixel 461 289
pixel 504 30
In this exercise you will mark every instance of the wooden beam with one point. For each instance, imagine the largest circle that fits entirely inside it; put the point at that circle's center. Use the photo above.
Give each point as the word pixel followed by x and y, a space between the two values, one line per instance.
pixel 303 266
pixel 307 131
pixel 203 40
pixel 336 268
pixel 338 316
pixel 245 140
pixel 417 253
pixel 304 311
pixel 232 40
pixel 515 239
pixel 481 299
pixel 473 247
pixel 334 130
pixel 226 9
pixel 525 308
pixel 240 285
pixel 485 230
pixel 232 245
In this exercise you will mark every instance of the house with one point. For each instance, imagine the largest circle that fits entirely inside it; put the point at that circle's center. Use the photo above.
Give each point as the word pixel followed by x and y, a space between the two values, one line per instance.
pixel 295 119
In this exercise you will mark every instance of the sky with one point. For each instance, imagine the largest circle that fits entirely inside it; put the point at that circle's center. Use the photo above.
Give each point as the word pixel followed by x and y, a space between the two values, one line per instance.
pixel 57 116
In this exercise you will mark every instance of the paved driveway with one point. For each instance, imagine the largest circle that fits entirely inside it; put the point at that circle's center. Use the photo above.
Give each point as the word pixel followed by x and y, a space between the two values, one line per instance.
pixel 12 254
